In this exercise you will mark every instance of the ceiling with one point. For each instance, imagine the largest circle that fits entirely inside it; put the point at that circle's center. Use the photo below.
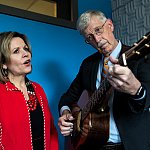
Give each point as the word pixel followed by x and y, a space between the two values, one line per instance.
pixel 45 7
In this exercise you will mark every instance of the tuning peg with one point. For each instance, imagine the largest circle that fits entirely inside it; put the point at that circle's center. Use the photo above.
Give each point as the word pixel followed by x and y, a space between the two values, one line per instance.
pixel 135 44
pixel 147 45
pixel 137 52
pixel 145 37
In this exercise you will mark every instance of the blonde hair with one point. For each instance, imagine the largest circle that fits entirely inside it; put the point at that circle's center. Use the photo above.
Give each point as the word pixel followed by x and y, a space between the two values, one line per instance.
pixel 5 39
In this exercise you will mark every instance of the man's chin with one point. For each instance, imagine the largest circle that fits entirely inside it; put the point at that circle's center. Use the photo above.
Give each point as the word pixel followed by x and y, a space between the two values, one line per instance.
pixel 100 50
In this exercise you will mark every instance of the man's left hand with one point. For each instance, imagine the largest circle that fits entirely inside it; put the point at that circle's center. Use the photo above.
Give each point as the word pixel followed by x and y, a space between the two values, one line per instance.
pixel 122 78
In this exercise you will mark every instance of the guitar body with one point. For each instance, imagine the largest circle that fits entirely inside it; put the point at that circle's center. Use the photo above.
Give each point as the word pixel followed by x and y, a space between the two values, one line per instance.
pixel 93 130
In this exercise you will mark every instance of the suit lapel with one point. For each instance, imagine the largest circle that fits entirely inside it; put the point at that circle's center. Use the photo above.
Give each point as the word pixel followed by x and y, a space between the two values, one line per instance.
pixel 94 70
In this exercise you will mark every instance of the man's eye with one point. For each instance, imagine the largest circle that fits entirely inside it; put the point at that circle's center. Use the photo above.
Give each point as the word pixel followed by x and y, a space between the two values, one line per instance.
pixel 89 37
pixel 98 30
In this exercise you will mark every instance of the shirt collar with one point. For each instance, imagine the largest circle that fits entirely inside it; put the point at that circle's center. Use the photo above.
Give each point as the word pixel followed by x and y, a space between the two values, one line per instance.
pixel 115 53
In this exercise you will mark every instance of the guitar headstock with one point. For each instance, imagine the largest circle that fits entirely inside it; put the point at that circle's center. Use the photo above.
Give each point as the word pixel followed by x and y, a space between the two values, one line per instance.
pixel 137 51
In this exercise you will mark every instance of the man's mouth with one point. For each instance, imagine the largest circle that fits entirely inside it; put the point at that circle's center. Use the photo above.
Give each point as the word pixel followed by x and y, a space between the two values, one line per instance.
pixel 102 45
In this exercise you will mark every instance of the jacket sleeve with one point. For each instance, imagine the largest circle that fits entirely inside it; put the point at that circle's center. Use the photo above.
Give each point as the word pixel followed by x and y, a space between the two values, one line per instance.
pixel 142 73
pixel 74 91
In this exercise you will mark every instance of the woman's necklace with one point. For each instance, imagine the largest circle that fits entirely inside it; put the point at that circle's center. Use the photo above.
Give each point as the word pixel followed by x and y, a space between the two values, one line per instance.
pixel 32 102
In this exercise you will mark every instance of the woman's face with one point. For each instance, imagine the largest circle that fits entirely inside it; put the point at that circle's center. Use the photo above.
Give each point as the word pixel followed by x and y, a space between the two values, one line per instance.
pixel 20 58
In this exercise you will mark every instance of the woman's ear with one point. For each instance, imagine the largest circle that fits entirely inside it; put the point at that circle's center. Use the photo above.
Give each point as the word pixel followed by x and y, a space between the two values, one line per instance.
pixel 4 67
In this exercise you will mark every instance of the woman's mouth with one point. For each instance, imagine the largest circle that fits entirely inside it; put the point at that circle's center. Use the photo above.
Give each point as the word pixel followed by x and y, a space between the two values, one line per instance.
pixel 27 62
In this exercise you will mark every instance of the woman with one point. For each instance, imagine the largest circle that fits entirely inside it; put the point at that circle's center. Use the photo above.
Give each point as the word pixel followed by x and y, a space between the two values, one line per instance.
pixel 26 122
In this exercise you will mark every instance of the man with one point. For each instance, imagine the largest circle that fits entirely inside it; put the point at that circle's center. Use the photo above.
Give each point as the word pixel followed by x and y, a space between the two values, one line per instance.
pixel 129 100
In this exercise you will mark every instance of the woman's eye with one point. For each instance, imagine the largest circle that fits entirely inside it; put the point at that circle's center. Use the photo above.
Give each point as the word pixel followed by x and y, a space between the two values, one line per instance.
pixel 16 51
pixel 26 48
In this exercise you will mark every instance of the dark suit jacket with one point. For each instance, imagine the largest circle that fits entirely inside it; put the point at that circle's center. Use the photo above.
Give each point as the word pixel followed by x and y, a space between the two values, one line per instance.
pixel 132 117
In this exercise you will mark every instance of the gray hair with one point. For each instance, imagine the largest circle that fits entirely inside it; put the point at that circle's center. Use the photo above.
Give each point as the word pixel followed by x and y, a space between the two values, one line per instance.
pixel 84 20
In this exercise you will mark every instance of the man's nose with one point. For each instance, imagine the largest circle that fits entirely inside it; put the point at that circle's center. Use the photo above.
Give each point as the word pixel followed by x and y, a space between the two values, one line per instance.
pixel 97 37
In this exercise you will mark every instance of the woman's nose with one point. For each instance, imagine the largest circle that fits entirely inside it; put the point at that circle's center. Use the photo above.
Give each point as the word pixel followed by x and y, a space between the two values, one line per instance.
pixel 24 53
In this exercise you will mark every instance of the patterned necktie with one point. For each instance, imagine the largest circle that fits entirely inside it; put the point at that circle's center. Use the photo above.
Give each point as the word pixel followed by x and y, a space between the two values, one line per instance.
pixel 105 108
pixel 105 67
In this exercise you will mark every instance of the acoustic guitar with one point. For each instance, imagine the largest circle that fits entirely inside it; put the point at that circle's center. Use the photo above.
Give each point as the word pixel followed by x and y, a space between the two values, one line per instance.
pixel 96 110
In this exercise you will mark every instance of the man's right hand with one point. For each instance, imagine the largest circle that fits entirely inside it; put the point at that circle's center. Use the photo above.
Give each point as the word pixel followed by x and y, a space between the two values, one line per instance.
pixel 65 123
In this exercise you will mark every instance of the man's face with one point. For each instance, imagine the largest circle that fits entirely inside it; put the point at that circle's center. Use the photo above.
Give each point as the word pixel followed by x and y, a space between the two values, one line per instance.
pixel 100 35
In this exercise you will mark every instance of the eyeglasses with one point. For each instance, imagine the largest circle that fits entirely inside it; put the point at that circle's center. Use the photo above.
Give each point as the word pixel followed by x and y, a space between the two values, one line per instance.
pixel 97 31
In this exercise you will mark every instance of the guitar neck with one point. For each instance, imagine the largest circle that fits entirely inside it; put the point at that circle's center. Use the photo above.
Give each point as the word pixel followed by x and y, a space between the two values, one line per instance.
pixel 137 51
pixel 95 98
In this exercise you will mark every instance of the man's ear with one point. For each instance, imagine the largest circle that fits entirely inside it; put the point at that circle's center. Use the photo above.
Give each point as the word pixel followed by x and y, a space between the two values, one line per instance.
pixel 110 24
